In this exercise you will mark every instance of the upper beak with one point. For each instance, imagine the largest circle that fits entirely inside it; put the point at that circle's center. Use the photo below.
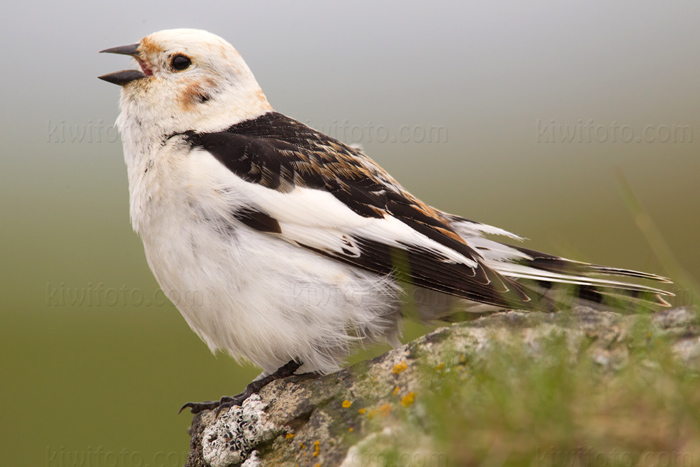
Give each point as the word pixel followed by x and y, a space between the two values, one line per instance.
pixel 125 76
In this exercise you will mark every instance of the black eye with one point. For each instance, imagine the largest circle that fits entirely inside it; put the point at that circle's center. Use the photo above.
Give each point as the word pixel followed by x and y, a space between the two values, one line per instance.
pixel 180 62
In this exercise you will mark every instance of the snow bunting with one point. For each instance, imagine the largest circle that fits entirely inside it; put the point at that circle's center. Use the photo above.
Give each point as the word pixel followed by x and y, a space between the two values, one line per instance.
pixel 284 246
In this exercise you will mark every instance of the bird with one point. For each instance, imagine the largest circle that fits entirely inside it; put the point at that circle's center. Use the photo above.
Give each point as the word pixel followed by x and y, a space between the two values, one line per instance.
pixel 285 247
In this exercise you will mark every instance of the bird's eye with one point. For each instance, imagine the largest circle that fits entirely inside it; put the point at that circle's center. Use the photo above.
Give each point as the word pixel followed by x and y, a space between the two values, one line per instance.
pixel 180 62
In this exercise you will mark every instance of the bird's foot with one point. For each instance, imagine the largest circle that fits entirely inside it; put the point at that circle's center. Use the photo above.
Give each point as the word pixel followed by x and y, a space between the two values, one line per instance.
pixel 226 402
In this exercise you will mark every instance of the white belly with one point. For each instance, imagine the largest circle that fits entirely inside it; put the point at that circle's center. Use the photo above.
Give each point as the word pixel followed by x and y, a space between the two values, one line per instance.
pixel 248 293
pixel 256 296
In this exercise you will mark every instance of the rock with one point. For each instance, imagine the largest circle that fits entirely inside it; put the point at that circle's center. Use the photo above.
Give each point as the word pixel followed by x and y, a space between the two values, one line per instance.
pixel 363 413
pixel 231 438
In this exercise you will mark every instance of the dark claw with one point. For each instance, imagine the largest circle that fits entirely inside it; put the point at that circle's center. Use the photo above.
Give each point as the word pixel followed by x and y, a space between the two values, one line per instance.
pixel 231 402
pixel 226 402
pixel 196 407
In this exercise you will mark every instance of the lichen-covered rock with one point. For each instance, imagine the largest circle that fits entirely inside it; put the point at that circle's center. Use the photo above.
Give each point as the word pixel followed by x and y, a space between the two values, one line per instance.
pixel 362 415
pixel 232 438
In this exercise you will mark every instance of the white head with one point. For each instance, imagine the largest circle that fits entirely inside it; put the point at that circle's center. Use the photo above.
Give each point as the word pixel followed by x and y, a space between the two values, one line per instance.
pixel 189 80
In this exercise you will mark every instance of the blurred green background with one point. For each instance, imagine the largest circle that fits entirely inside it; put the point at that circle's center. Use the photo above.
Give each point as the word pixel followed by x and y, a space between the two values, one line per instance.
pixel 511 114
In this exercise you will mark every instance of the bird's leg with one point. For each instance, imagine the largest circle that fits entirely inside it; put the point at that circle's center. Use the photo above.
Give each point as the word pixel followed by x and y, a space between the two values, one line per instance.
pixel 253 388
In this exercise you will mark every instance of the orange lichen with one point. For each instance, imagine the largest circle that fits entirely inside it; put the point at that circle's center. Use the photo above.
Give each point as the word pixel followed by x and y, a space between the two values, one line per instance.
pixel 385 409
pixel 317 448
pixel 399 368
pixel 396 391
pixel 408 399
pixel 289 435
pixel 346 404
pixel 362 411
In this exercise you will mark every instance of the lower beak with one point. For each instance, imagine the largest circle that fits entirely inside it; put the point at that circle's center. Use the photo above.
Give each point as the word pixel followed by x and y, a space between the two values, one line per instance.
pixel 123 77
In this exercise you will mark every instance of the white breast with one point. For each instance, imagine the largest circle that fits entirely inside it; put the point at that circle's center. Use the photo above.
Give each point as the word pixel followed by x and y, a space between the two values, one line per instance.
pixel 242 291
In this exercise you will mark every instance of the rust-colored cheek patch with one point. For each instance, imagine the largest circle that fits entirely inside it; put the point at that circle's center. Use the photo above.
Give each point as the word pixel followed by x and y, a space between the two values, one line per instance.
pixel 195 92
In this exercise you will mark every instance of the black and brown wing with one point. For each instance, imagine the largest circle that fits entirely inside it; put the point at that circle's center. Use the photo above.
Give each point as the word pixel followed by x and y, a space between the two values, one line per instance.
pixel 385 229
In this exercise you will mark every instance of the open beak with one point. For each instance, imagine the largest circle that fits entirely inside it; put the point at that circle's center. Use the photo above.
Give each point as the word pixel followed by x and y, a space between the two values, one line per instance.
pixel 123 77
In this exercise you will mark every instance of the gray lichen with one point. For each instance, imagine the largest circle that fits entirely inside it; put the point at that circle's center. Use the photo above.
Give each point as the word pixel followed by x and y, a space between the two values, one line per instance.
pixel 232 438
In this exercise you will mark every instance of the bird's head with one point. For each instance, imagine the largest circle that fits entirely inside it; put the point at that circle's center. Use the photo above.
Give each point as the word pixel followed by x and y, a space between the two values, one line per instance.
pixel 189 79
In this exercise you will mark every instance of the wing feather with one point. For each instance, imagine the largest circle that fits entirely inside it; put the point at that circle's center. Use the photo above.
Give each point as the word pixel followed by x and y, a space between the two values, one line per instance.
pixel 318 193
pixel 332 199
